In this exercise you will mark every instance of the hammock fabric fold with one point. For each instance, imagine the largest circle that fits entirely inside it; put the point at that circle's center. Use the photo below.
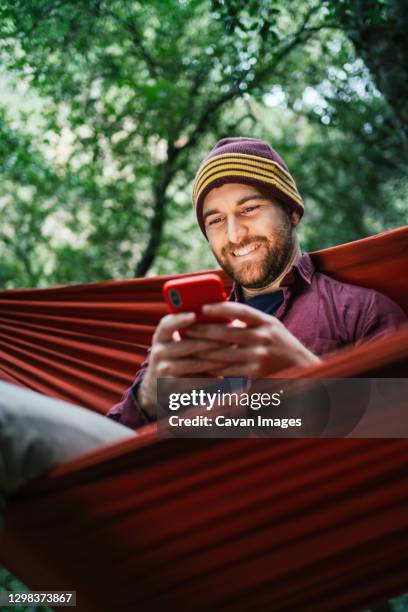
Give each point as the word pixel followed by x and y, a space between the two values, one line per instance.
pixel 204 524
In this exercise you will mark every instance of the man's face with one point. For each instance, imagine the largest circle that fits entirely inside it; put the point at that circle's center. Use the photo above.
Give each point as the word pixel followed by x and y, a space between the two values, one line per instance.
pixel 251 234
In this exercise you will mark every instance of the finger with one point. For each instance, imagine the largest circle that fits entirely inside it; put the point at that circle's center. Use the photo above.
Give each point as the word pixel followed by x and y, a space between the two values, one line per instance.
pixel 246 369
pixel 225 333
pixel 238 323
pixel 235 310
pixel 235 355
pixel 184 348
pixel 183 367
pixel 171 323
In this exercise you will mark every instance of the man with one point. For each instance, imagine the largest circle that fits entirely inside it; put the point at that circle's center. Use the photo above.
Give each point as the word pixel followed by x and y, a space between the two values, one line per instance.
pixel 248 208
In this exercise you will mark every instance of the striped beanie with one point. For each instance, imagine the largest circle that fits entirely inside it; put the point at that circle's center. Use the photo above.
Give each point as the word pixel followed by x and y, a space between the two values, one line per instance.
pixel 249 161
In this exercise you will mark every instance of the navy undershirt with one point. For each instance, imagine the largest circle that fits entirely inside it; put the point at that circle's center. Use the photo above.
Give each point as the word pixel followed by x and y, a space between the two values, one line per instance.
pixel 267 302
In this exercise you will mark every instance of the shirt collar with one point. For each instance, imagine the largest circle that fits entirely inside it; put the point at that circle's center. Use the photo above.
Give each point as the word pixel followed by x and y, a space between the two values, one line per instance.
pixel 301 272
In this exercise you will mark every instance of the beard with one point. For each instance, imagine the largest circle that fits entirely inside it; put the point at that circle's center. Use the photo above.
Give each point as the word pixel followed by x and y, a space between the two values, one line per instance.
pixel 267 263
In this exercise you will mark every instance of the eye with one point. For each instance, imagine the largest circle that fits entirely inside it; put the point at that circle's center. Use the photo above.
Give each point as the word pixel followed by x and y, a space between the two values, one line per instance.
pixel 251 208
pixel 215 221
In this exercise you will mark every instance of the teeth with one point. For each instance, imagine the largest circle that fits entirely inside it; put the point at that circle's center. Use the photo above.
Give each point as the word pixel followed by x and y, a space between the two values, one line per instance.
pixel 245 250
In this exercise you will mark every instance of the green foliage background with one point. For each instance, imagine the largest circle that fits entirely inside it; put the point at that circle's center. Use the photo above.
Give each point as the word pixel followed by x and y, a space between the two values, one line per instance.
pixel 107 108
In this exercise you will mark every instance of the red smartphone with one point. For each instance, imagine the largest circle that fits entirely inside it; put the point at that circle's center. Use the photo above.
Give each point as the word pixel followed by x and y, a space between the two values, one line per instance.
pixel 190 293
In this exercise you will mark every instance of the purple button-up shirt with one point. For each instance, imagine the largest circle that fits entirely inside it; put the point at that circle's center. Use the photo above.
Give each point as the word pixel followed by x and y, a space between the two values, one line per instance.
pixel 323 313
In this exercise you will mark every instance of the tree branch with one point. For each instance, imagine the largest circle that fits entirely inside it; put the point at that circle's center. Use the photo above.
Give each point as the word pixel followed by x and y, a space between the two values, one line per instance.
pixel 137 38
pixel 156 224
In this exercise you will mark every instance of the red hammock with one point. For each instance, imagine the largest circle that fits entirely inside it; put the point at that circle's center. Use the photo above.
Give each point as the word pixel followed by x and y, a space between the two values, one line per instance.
pixel 204 524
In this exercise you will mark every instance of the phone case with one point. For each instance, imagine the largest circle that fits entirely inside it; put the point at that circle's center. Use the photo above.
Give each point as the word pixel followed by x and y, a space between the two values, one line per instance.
pixel 190 293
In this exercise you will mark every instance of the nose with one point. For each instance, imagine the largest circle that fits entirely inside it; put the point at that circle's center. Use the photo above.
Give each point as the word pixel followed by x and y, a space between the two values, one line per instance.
pixel 236 230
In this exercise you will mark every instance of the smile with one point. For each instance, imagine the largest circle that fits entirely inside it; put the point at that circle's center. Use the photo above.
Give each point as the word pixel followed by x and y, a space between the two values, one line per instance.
pixel 246 250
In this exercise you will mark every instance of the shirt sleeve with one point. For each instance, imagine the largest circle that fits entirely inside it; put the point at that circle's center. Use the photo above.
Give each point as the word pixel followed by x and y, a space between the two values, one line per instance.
pixel 382 316
pixel 128 411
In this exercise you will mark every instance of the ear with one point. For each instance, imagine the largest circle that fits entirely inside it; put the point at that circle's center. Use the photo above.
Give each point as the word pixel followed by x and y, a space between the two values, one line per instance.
pixel 294 217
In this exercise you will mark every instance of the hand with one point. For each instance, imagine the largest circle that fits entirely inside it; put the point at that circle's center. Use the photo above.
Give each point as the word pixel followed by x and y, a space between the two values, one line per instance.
pixel 172 356
pixel 260 348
